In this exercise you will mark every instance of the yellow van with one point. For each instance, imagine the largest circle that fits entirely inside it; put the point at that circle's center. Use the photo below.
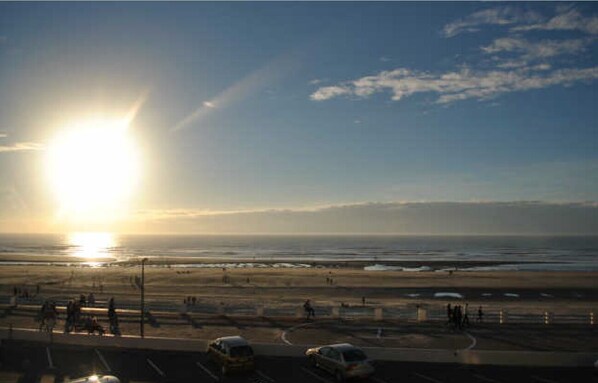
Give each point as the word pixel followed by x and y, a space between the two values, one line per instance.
pixel 231 353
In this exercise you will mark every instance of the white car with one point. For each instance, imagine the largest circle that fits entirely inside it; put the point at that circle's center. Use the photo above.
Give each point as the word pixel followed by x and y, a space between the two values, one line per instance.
pixel 342 360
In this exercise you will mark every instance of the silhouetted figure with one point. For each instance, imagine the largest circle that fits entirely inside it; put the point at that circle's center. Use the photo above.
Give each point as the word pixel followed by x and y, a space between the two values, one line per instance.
pixel 113 318
pixel 480 314
pixel 363 301
pixel 69 322
pixel 92 325
pixel 449 313
pixel 309 310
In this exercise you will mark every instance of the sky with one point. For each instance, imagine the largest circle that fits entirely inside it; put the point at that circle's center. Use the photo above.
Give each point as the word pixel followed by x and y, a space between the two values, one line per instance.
pixel 439 118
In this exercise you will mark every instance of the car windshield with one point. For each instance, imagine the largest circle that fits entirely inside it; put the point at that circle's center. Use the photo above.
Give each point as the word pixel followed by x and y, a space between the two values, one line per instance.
pixel 240 351
pixel 354 355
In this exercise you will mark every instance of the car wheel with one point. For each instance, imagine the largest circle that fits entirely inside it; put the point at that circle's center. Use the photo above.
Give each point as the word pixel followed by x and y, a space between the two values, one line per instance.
pixel 339 376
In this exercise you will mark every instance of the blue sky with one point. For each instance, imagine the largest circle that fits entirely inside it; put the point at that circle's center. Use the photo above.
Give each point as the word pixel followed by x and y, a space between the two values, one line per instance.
pixel 261 106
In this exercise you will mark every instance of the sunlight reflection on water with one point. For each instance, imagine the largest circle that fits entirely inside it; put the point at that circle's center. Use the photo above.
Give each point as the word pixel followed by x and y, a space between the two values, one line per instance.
pixel 92 246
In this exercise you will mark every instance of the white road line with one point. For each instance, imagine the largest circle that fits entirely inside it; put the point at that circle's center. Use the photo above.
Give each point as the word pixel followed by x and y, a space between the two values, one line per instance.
pixel 425 377
pixel 49 355
pixel 207 371
pixel 264 376
pixel 378 380
pixel 101 357
pixel 156 368
pixel 473 341
pixel 283 336
pixel 485 378
pixel 543 380
pixel 315 375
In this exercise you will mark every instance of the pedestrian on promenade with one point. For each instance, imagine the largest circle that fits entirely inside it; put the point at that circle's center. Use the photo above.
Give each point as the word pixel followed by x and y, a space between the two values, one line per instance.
pixel 449 313
pixel 309 310
pixel 480 314
pixel 68 324
pixel 113 318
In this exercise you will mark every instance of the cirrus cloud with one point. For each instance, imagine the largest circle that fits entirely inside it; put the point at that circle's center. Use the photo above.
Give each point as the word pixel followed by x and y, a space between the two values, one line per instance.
pixel 492 16
pixel 568 19
pixel 454 86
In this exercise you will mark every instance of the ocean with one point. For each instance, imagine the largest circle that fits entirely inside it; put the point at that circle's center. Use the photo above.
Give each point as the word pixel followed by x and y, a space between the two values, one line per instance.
pixel 573 253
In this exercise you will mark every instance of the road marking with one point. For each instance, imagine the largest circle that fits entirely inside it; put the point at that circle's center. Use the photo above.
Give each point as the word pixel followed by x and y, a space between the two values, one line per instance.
pixel 264 376
pixel 283 336
pixel 49 355
pixel 473 341
pixel 378 380
pixel 315 375
pixel 101 357
pixel 156 368
pixel 485 378
pixel 207 371
pixel 425 377
pixel 544 380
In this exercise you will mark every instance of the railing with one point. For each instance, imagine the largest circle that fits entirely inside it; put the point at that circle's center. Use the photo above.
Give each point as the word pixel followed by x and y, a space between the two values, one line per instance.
pixel 405 313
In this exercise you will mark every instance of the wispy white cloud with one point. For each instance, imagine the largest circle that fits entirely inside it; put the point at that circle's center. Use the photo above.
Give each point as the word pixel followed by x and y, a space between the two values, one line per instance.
pixel 3 135
pixel 394 217
pixel 568 19
pixel 537 50
pixel 454 86
pixel 20 146
pixel 507 15
pixel 327 92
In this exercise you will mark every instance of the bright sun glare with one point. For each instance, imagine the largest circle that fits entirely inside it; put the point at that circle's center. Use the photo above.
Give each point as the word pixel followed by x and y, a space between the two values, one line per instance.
pixel 92 245
pixel 93 168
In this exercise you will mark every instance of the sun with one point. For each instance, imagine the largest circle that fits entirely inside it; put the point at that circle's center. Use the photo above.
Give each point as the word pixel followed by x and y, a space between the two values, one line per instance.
pixel 93 168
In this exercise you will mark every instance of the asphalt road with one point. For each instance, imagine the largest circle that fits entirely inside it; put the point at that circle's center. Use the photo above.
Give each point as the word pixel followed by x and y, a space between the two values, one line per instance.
pixel 36 359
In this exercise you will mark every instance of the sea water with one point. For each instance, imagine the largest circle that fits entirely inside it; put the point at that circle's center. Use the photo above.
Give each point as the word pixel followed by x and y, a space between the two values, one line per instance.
pixel 572 253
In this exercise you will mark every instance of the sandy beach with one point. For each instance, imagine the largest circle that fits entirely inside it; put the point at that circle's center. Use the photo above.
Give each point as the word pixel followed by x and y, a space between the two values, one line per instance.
pixel 293 285
pixel 561 293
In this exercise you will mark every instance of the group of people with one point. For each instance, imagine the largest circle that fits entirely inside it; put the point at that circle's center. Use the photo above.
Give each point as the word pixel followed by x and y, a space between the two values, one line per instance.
pixel 73 315
pixel 87 300
pixel 73 322
pixel 190 301
pixel 459 316
pixel 24 292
